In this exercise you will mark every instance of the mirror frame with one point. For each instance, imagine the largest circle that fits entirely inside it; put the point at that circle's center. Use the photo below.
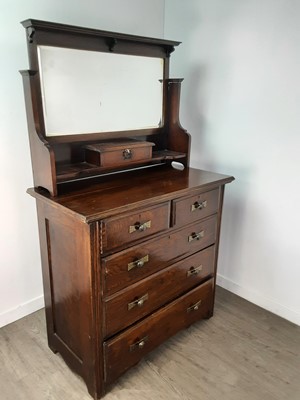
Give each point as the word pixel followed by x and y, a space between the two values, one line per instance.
pixel 88 92
pixel 42 33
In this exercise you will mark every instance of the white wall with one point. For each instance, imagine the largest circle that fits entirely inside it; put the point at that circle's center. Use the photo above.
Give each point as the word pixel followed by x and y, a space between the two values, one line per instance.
pixel 20 271
pixel 240 60
pixel 241 103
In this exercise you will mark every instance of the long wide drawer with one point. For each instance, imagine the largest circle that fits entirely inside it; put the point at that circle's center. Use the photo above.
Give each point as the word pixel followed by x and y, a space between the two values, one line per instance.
pixel 128 306
pixel 129 347
pixel 131 265
pixel 120 230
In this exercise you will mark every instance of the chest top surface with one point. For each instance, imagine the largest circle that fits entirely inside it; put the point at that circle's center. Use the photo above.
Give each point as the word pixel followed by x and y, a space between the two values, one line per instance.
pixel 132 190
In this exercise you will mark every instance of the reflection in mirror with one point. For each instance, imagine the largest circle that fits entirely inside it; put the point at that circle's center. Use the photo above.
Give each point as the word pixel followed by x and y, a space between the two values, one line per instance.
pixel 86 92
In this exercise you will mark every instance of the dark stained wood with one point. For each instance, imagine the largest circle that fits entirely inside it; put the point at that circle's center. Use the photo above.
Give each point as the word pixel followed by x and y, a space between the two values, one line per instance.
pixel 221 198
pixel 159 289
pixel 86 34
pixel 126 263
pixel 87 283
pixel 155 329
pixel 118 231
pixel 162 252
pixel 119 153
pixel 177 138
pixel 195 207
pixel 85 263
pixel 132 190
pixel 69 172
pixel 42 155
pixel 68 261
pixel 68 161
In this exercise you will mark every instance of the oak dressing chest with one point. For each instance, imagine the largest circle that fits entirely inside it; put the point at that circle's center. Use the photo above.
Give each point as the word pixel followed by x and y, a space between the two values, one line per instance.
pixel 129 244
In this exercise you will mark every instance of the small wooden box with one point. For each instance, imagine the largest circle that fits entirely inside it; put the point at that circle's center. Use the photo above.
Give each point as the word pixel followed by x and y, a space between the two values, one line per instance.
pixel 119 153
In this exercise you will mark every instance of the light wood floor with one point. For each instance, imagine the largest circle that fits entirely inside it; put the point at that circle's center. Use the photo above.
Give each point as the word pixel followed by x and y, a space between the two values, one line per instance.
pixel 242 353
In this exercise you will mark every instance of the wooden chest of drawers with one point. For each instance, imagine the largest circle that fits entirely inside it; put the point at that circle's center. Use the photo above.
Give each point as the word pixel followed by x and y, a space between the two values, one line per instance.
pixel 129 256
pixel 126 265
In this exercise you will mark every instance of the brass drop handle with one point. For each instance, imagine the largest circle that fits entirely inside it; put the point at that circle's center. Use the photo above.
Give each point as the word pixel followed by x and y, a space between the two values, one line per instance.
pixel 138 263
pixel 194 271
pixel 127 154
pixel 140 227
pixel 138 302
pixel 140 344
pixel 194 307
pixel 196 236
pixel 198 205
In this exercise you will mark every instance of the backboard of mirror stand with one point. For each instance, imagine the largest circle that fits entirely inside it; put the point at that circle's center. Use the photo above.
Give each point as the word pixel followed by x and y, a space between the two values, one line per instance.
pixel 90 88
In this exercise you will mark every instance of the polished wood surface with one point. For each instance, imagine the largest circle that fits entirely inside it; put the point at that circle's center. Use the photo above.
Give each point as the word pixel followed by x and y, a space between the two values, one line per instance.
pixel 125 349
pixel 120 230
pixel 195 207
pixel 157 290
pixel 129 258
pixel 69 259
pixel 161 252
pixel 104 277
pixel 59 159
pixel 131 190
pixel 118 153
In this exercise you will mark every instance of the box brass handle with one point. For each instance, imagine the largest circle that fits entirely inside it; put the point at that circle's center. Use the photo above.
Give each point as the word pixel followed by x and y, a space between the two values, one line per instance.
pixel 138 302
pixel 138 263
pixel 127 154
pixel 196 236
pixel 140 344
pixel 194 307
pixel 198 205
pixel 194 271
pixel 140 227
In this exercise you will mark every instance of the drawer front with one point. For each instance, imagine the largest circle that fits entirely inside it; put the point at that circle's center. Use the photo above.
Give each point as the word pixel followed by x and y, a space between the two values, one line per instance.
pixel 118 153
pixel 192 208
pixel 151 293
pixel 129 347
pixel 131 265
pixel 120 230
pixel 126 156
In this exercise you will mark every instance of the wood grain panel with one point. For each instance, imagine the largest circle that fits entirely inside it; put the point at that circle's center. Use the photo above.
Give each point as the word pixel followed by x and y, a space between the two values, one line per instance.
pixel 157 290
pixel 193 208
pixel 161 252
pixel 123 351
pixel 118 231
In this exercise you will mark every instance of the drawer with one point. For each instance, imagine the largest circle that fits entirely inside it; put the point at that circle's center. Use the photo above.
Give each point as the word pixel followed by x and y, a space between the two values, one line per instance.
pixel 151 293
pixel 131 265
pixel 192 208
pixel 122 229
pixel 118 153
pixel 127 349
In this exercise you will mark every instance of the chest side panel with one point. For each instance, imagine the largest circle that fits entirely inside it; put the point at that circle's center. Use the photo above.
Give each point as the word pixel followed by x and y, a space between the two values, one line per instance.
pixel 69 258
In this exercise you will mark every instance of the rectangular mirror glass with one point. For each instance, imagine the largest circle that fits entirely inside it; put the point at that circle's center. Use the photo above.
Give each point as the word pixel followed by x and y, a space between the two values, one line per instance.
pixel 88 92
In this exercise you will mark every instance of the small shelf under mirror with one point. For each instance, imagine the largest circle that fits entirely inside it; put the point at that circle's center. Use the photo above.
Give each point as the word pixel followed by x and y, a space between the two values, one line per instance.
pixel 70 171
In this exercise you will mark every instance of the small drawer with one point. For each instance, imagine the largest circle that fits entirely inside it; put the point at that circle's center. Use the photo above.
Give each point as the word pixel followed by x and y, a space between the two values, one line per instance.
pixel 128 348
pixel 118 153
pixel 192 208
pixel 151 293
pixel 131 265
pixel 123 229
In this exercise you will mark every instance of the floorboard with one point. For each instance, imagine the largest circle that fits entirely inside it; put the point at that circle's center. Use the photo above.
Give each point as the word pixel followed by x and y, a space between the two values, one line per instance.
pixel 242 353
